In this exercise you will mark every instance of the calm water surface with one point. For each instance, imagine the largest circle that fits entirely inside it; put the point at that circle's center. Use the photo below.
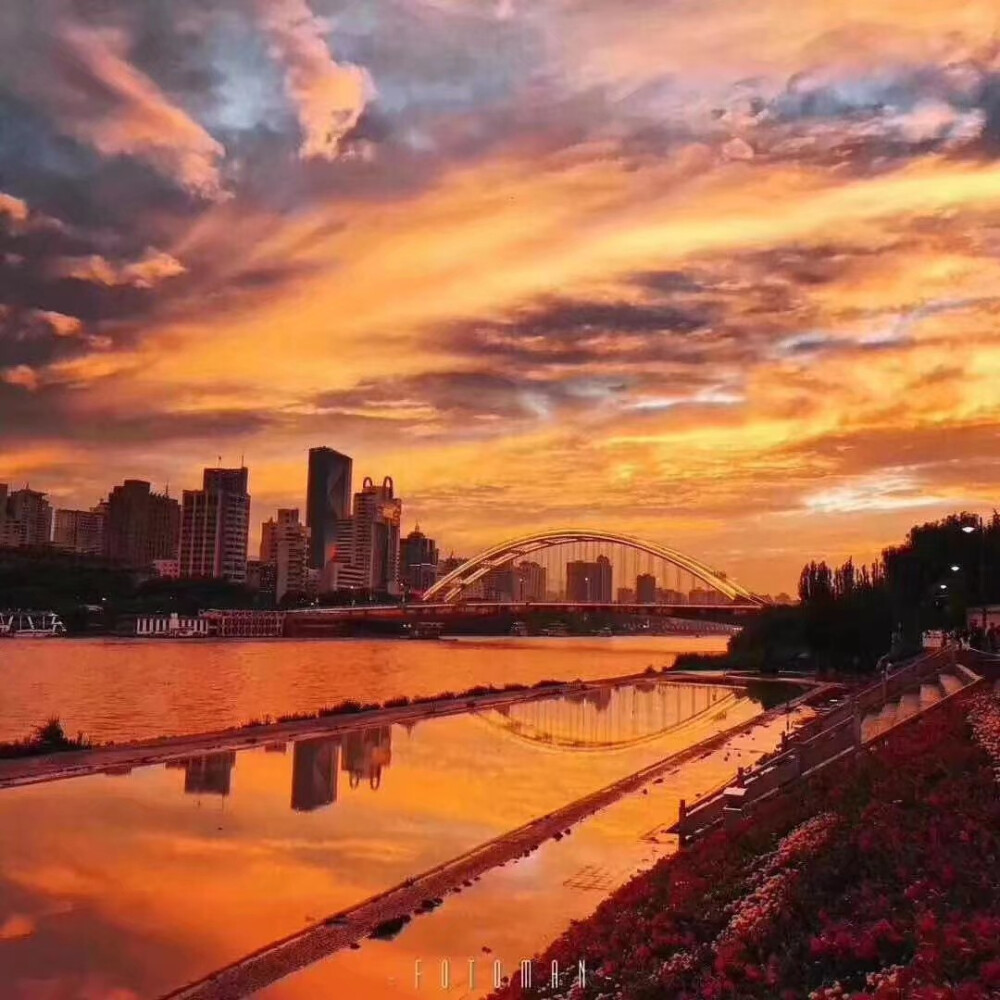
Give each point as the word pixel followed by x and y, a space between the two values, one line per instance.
pixel 127 886
pixel 514 912
pixel 114 689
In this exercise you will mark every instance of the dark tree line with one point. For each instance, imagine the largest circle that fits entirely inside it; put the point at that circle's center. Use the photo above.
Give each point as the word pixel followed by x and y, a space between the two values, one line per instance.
pixel 849 616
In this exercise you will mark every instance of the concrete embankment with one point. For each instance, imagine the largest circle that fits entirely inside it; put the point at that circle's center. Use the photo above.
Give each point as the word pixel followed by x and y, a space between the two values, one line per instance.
pixel 280 958
pixel 119 758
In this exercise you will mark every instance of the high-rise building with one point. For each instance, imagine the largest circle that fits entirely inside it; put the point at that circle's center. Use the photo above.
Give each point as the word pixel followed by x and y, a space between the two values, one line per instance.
pixel 284 544
pixel 605 581
pixel 589 582
pixel 28 519
pixel 80 531
pixel 375 545
pixel 328 500
pixel 140 526
pixel 340 571
pixel 532 580
pixel 215 524
pixel 625 595
pixel 419 559
pixel 314 773
pixel 701 595
pixel 645 588
pixel 262 579
pixel 450 564
pixel 666 595
pixel 499 584
pixel 3 515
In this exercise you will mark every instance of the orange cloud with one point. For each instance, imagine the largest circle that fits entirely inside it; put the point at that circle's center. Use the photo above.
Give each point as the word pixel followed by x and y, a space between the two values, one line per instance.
pixel 96 95
pixel 21 375
pixel 16 209
pixel 329 97
pixel 17 925
pixel 152 268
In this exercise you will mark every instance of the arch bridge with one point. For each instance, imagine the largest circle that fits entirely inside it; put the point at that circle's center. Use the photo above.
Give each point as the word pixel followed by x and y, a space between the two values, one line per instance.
pixel 567 564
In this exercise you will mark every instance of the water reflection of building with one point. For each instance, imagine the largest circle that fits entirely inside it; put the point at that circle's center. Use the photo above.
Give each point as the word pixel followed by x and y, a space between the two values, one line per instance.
pixel 208 774
pixel 314 773
pixel 365 753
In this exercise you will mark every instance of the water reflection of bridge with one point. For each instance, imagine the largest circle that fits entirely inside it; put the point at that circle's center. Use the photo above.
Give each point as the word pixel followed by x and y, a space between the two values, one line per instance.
pixel 362 754
pixel 612 718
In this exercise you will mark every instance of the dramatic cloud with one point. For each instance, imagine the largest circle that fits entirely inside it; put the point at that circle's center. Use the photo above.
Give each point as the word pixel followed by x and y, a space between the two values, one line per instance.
pixel 149 270
pixel 20 375
pixel 721 275
pixel 14 209
pixel 329 98
pixel 81 77
pixel 61 326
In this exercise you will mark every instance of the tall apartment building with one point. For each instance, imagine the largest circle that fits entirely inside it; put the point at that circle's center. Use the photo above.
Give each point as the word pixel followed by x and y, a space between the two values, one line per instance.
pixel 589 582
pixel 27 518
pixel 140 526
pixel 80 531
pixel 366 551
pixel 645 588
pixel 215 524
pixel 499 584
pixel 284 544
pixel 418 559
pixel 375 549
pixel 532 580
pixel 328 501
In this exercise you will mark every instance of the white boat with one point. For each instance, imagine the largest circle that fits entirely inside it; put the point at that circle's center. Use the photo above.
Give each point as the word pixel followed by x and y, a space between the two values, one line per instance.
pixel 31 625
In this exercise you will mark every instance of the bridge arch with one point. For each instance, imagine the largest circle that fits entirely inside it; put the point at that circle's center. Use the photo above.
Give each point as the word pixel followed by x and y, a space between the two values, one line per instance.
pixel 451 587
pixel 610 720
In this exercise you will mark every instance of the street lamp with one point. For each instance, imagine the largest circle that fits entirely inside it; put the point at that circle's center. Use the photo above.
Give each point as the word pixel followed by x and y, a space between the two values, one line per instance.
pixel 981 528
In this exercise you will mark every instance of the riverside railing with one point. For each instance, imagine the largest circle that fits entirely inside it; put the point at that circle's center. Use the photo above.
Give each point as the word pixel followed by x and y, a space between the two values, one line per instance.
pixel 808 748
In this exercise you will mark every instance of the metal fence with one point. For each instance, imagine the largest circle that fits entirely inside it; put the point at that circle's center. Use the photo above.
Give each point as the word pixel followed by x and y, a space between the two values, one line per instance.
pixel 811 746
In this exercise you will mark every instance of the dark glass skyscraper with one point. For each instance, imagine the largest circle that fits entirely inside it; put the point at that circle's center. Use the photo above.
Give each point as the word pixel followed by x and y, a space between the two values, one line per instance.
pixel 328 499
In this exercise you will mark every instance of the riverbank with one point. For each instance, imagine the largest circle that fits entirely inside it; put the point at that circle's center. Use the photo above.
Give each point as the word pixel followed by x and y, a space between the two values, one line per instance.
pixel 877 875
pixel 119 757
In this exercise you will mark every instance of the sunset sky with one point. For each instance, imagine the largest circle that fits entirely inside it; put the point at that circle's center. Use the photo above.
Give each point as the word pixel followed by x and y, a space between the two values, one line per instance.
pixel 722 274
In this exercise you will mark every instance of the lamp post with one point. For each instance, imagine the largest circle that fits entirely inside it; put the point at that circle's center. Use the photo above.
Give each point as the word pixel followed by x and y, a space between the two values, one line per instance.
pixel 970 529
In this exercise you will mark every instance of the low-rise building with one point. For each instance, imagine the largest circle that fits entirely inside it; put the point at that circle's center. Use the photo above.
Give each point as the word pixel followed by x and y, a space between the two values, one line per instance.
pixel 167 569
pixel 245 624
pixel 172 626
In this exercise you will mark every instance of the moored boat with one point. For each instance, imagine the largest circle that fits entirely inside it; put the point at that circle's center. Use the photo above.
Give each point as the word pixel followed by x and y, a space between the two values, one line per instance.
pixel 31 625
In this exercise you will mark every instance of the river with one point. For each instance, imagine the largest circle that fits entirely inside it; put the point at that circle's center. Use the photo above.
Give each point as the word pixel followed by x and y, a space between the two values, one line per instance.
pixel 119 689
pixel 125 886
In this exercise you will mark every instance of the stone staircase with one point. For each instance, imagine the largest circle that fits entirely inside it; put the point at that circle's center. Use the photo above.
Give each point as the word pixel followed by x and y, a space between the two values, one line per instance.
pixel 846 727
pixel 897 710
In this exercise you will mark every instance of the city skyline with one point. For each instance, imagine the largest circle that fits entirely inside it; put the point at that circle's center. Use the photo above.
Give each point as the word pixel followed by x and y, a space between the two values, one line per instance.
pixel 547 264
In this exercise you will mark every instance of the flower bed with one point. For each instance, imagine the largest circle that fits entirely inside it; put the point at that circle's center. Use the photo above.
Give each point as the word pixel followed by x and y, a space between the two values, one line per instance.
pixel 877 878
